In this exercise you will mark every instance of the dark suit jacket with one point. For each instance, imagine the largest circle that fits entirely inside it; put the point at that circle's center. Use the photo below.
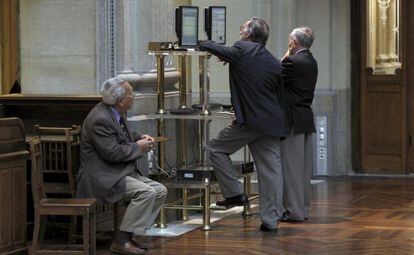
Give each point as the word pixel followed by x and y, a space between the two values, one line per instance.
pixel 300 73
pixel 255 85
pixel 106 156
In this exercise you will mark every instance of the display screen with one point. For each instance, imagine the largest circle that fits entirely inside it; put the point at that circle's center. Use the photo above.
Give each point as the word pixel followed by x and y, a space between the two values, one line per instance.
pixel 189 26
pixel 218 24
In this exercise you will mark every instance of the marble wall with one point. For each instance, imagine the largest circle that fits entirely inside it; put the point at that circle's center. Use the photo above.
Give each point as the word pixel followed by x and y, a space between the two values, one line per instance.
pixel 58 46
pixel 331 49
pixel 66 49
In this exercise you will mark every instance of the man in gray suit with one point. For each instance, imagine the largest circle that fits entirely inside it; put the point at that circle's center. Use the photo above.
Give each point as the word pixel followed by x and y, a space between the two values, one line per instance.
pixel 300 72
pixel 108 171
pixel 255 87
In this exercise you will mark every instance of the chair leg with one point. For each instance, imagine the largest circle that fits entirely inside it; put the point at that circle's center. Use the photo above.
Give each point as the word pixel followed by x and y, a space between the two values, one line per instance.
pixel 115 226
pixel 43 220
pixel 73 229
pixel 92 228
pixel 115 217
pixel 85 233
pixel 36 232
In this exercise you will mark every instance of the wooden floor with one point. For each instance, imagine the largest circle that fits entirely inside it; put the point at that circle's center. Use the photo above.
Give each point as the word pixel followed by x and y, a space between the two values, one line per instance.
pixel 348 216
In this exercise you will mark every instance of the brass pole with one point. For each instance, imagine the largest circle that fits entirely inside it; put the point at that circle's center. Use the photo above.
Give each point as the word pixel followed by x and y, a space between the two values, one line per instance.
pixel 247 189
pixel 206 206
pixel 204 81
pixel 183 81
pixel 161 146
pixel 247 184
pixel 161 159
pixel 163 220
pixel 204 135
pixel 185 203
pixel 160 83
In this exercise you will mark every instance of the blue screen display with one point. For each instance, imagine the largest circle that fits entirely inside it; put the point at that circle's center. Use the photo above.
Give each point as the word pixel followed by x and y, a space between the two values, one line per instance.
pixel 189 27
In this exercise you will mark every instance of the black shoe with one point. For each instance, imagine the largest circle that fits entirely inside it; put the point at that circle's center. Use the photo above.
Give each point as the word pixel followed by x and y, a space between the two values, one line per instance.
pixel 234 201
pixel 140 242
pixel 285 218
pixel 266 229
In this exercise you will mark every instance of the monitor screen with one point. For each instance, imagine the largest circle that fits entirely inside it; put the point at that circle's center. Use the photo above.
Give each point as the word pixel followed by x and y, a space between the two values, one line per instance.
pixel 188 26
pixel 218 23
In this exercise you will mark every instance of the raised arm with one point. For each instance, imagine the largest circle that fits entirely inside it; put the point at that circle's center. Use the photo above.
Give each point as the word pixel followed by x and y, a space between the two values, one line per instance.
pixel 288 71
pixel 225 53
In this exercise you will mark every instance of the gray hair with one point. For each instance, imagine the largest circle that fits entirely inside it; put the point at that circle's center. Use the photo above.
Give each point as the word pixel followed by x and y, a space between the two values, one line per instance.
pixel 304 36
pixel 258 29
pixel 112 90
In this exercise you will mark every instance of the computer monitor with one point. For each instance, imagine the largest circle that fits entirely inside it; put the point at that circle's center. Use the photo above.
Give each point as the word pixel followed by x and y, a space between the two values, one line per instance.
pixel 215 23
pixel 186 25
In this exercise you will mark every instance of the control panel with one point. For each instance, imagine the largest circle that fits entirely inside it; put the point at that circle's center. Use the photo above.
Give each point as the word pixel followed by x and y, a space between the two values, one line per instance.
pixel 321 145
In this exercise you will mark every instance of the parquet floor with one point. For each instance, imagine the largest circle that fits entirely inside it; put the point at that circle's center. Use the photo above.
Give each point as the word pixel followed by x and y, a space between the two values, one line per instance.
pixel 348 216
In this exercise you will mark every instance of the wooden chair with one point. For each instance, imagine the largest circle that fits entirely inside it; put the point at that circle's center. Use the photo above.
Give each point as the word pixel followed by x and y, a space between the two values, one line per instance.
pixel 60 148
pixel 58 206
pixel 61 156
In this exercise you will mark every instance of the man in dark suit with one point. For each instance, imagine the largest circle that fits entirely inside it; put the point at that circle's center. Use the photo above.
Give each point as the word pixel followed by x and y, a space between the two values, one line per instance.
pixel 108 171
pixel 255 84
pixel 300 72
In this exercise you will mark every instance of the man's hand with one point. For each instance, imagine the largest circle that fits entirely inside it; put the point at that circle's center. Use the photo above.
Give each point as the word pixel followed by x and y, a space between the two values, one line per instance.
pixel 222 61
pixel 147 137
pixel 288 53
pixel 146 143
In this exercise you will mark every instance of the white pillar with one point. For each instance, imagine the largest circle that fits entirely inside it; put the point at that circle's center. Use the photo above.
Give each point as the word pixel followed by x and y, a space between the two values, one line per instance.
pixel 137 23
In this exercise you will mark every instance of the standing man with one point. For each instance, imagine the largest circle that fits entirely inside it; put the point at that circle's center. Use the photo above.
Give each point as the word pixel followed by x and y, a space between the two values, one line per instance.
pixel 300 72
pixel 108 171
pixel 255 87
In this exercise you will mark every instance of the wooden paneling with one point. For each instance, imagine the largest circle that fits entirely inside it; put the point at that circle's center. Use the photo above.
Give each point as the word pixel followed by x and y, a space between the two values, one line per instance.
pixel 13 204
pixel 355 84
pixel 383 108
pixel 383 123
pixel 48 110
pixel 13 158
pixel 9 43
pixel 410 87
pixel 5 208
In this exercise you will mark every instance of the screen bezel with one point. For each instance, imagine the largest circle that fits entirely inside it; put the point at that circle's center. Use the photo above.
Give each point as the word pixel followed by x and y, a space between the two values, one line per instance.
pixel 179 24
pixel 209 22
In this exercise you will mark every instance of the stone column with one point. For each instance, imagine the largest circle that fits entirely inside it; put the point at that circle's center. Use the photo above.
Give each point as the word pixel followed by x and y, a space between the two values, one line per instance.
pixel 283 19
pixel 137 23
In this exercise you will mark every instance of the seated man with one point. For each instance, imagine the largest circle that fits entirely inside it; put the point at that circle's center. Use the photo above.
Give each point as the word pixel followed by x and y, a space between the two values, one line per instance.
pixel 108 171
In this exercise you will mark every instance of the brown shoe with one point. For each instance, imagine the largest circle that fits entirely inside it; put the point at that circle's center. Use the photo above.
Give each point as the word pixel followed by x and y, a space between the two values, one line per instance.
pixel 140 241
pixel 127 248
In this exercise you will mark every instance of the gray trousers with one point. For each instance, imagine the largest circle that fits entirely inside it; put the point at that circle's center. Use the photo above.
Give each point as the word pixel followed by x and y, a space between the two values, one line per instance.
pixel 266 155
pixel 297 156
pixel 147 197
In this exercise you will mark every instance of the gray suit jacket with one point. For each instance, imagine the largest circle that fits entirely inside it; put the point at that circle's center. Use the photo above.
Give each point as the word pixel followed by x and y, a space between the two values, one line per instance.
pixel 107 156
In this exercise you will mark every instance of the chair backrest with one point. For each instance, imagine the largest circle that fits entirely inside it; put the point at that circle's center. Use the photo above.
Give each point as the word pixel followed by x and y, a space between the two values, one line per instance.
pixel 37 170
pixel 60 148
